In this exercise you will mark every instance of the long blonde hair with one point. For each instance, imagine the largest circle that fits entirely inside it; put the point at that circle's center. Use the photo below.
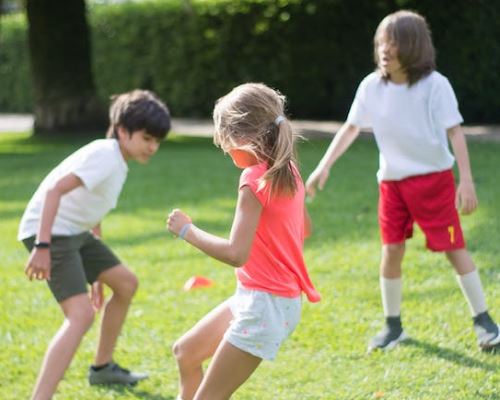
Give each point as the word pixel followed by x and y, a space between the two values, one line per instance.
pixel 246 118
pixel 412 36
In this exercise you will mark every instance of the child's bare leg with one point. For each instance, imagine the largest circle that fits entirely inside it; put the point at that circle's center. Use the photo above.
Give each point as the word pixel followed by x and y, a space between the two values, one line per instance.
pixel 390 278
pixel 486 329
pixel 461 261
pixel 123 284
pixel 390 289
pixel 79 316
pixel 392 257
pixel 197 345
pixel 229 369
pixel 468 280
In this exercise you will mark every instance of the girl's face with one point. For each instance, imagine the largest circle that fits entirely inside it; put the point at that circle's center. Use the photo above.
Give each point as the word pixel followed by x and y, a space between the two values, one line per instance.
pixel 387 52
pixel 243 158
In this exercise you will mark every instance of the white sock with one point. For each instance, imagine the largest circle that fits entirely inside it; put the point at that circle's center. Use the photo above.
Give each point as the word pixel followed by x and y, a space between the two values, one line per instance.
pixel 473 291
pixel 391 296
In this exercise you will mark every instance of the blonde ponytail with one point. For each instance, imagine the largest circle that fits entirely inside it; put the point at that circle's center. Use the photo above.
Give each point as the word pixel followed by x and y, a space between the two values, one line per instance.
pixel 280 173
pixel 251 117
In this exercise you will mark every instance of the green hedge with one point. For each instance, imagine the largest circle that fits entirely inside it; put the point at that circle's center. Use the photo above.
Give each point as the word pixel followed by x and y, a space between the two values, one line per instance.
pixel 15 81
pixel 314 51
pixel 192 54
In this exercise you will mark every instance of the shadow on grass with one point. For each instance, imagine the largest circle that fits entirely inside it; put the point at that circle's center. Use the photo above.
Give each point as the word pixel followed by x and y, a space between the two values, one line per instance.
pixel 142 394
pixel 190 172
pixel 221 229
pixel 451 355
pixel 487 396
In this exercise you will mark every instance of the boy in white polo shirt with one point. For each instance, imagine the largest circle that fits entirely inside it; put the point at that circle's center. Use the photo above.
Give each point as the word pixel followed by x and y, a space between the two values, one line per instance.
pixel 61 229
pixel 413 111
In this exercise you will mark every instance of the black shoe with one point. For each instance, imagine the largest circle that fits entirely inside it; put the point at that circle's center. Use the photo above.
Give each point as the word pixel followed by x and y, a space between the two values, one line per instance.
pixel 389 337
pixel 487 331
pixel 114 374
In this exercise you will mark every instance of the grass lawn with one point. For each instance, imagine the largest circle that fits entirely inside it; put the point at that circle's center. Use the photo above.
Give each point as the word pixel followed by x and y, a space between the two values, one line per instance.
pixel 325 358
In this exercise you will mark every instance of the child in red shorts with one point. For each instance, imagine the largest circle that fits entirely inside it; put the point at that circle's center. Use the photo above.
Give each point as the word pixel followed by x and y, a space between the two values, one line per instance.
pixel 428 200
pixel 413 111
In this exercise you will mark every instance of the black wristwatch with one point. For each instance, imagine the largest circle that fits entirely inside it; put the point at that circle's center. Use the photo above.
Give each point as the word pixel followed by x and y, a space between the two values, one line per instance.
pixel 42 245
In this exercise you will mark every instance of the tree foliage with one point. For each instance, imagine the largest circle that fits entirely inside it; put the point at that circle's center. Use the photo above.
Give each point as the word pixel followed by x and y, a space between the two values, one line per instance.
pixel 314 51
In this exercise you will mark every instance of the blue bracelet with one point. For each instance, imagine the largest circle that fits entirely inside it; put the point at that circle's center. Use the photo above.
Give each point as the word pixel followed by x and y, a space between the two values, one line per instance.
pixel 184 230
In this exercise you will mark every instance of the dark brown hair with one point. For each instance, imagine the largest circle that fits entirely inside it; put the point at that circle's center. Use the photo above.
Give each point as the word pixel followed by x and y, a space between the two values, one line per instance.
pixel 412 37
pixel 138 110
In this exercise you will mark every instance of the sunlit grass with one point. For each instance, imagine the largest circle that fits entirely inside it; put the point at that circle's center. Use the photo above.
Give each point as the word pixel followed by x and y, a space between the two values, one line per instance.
pixel 325 358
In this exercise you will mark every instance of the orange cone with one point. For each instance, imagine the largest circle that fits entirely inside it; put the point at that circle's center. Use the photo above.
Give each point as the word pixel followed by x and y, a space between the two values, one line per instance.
pixel 197 282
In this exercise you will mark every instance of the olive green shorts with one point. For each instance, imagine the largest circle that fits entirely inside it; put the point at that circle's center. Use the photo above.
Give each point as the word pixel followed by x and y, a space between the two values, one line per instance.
pixel 76 261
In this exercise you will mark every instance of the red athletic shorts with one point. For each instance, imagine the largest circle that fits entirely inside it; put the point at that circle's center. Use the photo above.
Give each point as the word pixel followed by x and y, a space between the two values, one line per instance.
pixel 428 200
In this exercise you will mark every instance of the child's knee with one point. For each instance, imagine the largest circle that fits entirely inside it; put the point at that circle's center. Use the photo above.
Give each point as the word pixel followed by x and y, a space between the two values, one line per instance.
pixel 177 349
pixel 81 318
pixel 182 352
pixel 132 284
pixel 460 260
pixel 128 286
pixel 394 250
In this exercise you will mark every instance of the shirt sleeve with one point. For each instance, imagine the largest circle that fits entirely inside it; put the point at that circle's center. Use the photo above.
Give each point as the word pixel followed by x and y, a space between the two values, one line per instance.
pixel 358 114
pixel 94 167
pixel 445 105
pixel 251 177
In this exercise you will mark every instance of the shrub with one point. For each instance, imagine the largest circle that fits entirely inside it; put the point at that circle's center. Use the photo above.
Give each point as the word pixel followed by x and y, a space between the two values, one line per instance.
pixel 314 51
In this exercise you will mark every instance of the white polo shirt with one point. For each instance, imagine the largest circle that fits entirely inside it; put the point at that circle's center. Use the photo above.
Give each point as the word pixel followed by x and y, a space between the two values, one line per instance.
pixel 409 123
pixel 102 169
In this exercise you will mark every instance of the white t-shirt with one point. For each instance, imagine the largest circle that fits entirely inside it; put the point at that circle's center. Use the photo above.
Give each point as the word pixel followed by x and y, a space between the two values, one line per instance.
pixel 409 123
pixel 102 169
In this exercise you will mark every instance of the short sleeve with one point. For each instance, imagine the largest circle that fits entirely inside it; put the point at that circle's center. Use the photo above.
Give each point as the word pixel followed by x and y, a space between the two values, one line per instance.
pixel 95 166
pixel 358 114
pixel 445 105
pixel 251 177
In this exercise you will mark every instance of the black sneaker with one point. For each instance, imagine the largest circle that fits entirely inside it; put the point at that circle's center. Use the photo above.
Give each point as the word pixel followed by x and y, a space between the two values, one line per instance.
pixel 389 337
pixel 114 374
pixel 486 330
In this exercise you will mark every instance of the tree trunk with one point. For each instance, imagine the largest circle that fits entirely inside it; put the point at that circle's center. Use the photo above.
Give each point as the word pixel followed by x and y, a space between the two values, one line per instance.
pixel 59 44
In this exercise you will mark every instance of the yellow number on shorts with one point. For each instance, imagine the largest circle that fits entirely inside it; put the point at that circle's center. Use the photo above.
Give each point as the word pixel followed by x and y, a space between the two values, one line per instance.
pixel 451 231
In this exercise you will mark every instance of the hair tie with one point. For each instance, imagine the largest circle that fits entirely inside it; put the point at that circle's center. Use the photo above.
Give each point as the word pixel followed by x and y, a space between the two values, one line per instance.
pixel 279 119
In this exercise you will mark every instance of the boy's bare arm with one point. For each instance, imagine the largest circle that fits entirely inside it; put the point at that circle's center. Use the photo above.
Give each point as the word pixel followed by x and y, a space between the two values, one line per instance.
pixel 97 230
pixel 466 199
pixel 39 262
pixel 51 204
pixel 97 288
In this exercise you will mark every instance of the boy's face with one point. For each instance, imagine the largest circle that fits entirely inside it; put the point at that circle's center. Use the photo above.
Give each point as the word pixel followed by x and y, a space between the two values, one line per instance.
pixel 138 145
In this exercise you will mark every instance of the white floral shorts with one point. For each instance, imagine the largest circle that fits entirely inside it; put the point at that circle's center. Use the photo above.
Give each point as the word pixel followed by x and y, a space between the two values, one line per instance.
pixel 261 321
